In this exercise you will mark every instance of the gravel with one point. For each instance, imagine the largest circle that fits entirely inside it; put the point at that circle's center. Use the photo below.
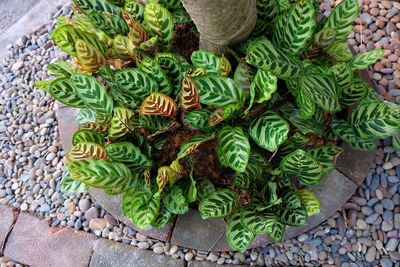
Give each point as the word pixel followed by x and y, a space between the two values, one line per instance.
pixel 31 163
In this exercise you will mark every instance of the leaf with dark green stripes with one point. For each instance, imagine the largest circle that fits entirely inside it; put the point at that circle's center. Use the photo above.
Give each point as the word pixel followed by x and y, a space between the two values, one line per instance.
pixel 163 218
pixel 340 51
pixel 257 221
pixel 293 217
pixel 93 93
pixel 302 165
pixel 192 144
pixel 87 135
pixel 132 200
pixel 234 147
pixel 160 23
pixel 99 173
pixel 175 201
pixel 172 66
pixel 291 199
pixel 120 125
pixel 342 17
pixel 293 30
pixel 269 131
pixel 237 236
pixel 244 75
pixel 198 119
pixel 343 75
pixel 375 119
pixel 63 90
pixel 363 60
pixel 153 69
pixel 71 186
pixel 354 93
pixel 326 156
pixel 321 42
pixel 254 170
pixel 86 151
pixel 346 132
pixel 277 232
pixel 310 202
pixel 219 203
pixel 136 82
pixel 128 153
pixel 204 187
pixel 146 214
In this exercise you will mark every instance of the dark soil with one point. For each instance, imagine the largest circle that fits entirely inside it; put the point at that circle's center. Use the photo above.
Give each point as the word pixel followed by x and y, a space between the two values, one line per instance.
pixel 185 39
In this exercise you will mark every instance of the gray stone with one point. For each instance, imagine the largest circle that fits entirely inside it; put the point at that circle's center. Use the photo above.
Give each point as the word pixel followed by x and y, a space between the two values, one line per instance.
pixel 392 244
pixel 397 221
pixel 84 204
pixel 387 203
pixel 372 218
pixel 386 263
pixel 108 253
pixel 6 222
pixel 370 255
pixel 92 213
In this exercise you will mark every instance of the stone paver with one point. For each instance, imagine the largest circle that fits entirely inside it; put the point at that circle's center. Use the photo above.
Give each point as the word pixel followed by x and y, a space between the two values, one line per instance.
pixel 6 222
pixel 66 124
pixel 12 10
pixel 209 264
pixel 109 254
pixel 355 164
pixel 112 204
pixel 34 243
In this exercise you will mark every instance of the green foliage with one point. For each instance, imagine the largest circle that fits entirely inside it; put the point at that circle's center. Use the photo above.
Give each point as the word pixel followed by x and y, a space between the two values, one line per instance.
pixel 151 122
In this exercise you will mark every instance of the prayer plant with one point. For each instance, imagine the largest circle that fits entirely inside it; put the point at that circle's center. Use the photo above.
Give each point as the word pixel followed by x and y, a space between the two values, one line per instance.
pixel 269 113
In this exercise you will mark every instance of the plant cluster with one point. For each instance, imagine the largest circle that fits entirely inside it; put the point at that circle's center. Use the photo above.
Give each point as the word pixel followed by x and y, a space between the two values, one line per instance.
pixel 274 111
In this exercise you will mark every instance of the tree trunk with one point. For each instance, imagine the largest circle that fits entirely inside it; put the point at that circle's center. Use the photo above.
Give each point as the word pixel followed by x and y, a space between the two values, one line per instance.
pixel 222 22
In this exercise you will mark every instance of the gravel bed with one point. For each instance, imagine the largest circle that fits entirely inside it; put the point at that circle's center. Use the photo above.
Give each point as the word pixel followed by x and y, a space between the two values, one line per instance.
pixel 4 262
pixel 365 232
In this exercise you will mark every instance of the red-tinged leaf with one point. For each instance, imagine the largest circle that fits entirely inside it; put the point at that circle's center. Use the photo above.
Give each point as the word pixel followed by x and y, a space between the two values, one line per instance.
pixel 86 151
pixel 189 97
pixel 216 117
pixel 158 104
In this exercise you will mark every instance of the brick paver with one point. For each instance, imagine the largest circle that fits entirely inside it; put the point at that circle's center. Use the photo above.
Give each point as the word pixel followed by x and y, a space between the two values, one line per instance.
pixel 112 254
pixel 34 243
pixel 6 222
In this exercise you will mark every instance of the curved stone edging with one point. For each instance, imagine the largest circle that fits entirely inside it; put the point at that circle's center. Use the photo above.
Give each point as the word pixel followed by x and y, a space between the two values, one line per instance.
pixel 190 231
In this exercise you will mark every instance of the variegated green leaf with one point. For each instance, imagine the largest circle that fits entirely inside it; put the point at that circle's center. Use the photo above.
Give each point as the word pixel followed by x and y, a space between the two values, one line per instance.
pixel 321 42
pixel 99 173
pixel 340 51
pixel 219 203
pixel 269 131
pixel 262 54
pixel 86 151
pixel 353 94
pixel 342 17
pixel 136 9
pixel 87 135
pixel 163 218
pixel 192 144
pixel 326 156
pixel 257 221
pixel 172 66
pixel 136 82
pixel 132 200
pixel 218 91
pixel 175 201
pixel 293 30
pixel 310 202
pixel 88 57
pixel 207 60
pixel 277 232
pixel 396 141
pixel 70 186
pixel 254 170
pixel 61 68
pixel 302 165
pixel 244 75
pixel 120 125
pixel 234 147
pixel 237 236
pixel 198 119
pixel 93 93
pixel 153 69
pixel 363 60
pixel 204 187
pixel 128 153
pixel 346 132
pixel 160 23
pixel 291 199
pixel 343 76
pixel 63 90
pixel 146 214
pixel 293 217
pixel 375 119
pixel 267 10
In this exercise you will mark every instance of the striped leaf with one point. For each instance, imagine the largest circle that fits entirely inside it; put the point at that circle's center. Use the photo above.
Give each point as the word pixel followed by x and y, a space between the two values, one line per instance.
pixel 347 133
pixel 120 125
pixel 153 69
pixel 321 42
pixel 171 64
pixel 326 156
pixel 136 82
pixel 277 232
pixel 266 85
pixel 306 105
pixel 70 186
pixel 204 187
pixel 137 33
pixel 237 236
pixel 396 141
pixel 322 90
pixel 340 51
pixel 198 119
pixel 86 151
pixel 234 147
pixel 302 165
pixel 146 214
pixel 61 68
pixel 254 170
pixel 160 23
pixel 267 10
pixel 294 30
pixel 310 202
pixel 132 200
pixel 158 104
pixel 128 153
pixel 291 199
pixel 343 75
pixel 216 117
pixel 353 94
pixel 167 175
pixel 150 45
pixel 207 60
pixel 244 75
pixel 363 60
pixel 64 91
pixel 375 119
pixel 257 221
pixel 88 57
pixel 219 203
pixel 189 189
pixel 109 23
pixel 225 66
pixel 293 217
pixel 87 136
pixel 93 93
pixel 263 55
pixel 175 201
pixel 122 47
pixel 269 131
pixel 192 144
pixel 306 126
pixel 163 218
pixel 136 9
pixel 342 17
pixel 292 143
pixel 99 173
pixel 189 97
pixel 218 91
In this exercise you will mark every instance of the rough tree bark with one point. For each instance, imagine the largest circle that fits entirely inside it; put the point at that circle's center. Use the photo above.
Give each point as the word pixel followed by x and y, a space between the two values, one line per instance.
pixel 222 22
